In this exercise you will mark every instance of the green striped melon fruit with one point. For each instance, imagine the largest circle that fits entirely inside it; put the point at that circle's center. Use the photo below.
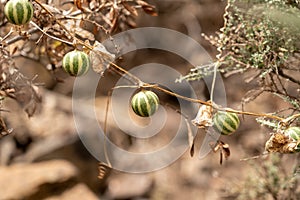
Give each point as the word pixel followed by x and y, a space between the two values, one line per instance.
pixel 76 63
pixel 18 11
pixel 226 122
pixel 145 103
pixel 294 133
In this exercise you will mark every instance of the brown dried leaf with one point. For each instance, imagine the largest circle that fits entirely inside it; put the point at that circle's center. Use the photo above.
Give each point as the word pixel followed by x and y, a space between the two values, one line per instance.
pixel 281 143
pixel 84 34
pixel 114 25
pixel 192 151
pixel 223 148
pixel 111 15
pixel 14 50
pixel 290 147
pixel 131 23
pixel 131 9
pixel 82 5
pixel 226 150
pixel 3 128
pixel 51 9
pixel 100 58
pixel 149 9
pixel 78 4
pixel 204 117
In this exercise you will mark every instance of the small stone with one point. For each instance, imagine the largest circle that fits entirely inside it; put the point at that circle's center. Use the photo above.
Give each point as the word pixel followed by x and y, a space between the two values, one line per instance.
pixel 19 181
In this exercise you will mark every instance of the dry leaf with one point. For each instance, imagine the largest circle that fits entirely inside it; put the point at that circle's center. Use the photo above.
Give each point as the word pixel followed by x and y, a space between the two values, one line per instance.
pixel 192 150
pixel 100 58
pixel 281 143
pixel 223 148
pixel 78 4
pixel 84 34
pixel 131 23
pixel 52 9
pixel 82 5
pixel 204 117
pixel 130 9
pixel 149 9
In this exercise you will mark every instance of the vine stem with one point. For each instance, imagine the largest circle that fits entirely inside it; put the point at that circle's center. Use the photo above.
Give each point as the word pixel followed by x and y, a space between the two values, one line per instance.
pixel 142 84
pixel 219 49
pixel 216 107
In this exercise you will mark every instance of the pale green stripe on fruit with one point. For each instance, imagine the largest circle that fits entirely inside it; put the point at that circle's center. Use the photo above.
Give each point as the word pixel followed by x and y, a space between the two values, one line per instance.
pixel 226 123
pixel 79 66
pixel 67 62
pixel 10 12
pixel 153 102
pixel 295 136
pixel 143 105
pixel 235 120
pixel 223 126
pixel 85 64
pixel 19 13
pixel 294 133
pixel 148 111
pixel 75 63
pixel 29 12
pixel 136 104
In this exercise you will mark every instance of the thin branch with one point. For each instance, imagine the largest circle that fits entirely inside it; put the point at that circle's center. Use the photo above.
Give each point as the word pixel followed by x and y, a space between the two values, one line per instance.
pixel 141 83
pixel 21 37
pixel 50 36
pixel 281 73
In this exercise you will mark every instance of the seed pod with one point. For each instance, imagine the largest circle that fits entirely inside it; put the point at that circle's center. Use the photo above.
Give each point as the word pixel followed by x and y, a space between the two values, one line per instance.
pixel 145 103
pixel 18 11
pixel 76 63
pixel 226 122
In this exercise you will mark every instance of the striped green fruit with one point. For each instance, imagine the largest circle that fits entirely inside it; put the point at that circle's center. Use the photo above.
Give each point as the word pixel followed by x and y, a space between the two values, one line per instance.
pixel 18 11
pixel 226 122
pixel 145 103
pixel 76 63
pixel 293 133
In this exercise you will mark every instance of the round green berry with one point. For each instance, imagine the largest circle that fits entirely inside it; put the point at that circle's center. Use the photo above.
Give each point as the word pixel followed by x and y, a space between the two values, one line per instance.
pixel 18 11
pixel 226 122
pixel 145 103
pixel 294 134
pixel 76 63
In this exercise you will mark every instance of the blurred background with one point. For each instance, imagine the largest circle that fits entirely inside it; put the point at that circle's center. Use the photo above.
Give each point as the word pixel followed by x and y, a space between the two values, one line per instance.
pixel 43 158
